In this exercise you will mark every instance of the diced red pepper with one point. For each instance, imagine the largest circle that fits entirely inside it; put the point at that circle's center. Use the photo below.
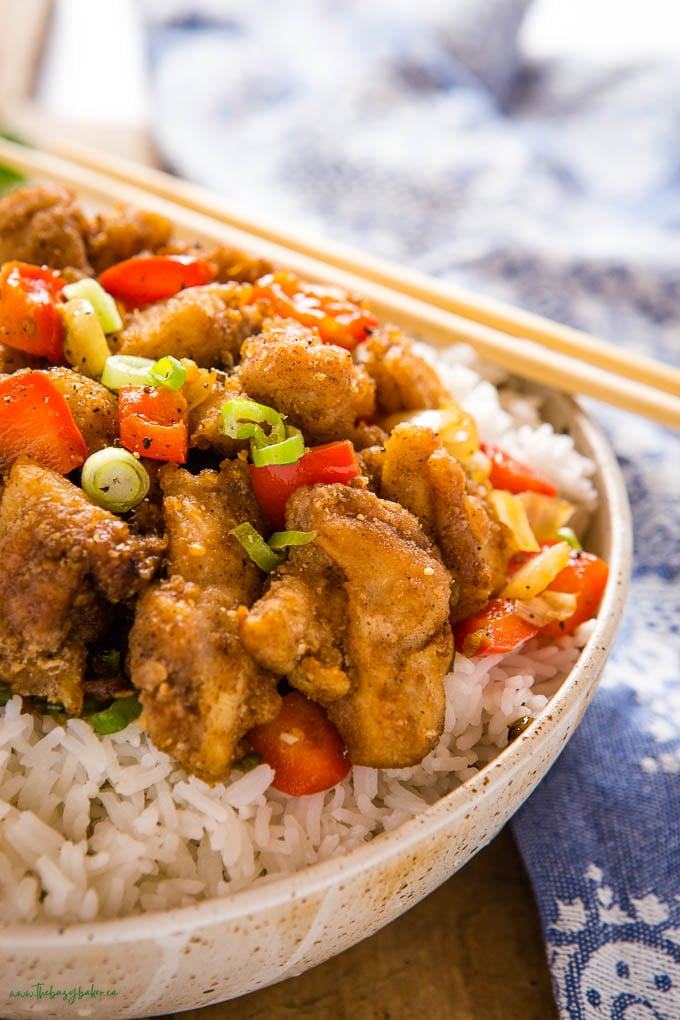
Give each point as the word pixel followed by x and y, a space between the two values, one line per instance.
pixel 302 746
pixel 514 476
pixel 497 628
pixel 36 420
pixel 143 279
pixel 29 310
pixel 152 421
pixel 274 483
pixel 338 317
pixel 586 577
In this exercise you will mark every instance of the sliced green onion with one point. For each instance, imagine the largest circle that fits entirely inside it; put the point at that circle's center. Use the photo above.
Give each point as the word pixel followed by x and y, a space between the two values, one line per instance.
pixel 242 419
pixel 568 535
pixel 256 547
pixel 248 762
pixel 127 370
pixel 117 716
pixel 85 346
pixel 288 451
pixel 115 479
pixel 169 372
pixel 282 539
pixel 104 305
pixel 52 708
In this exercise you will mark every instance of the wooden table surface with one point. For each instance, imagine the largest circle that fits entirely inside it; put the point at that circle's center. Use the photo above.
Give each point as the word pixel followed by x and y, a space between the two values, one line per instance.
pixel 473 949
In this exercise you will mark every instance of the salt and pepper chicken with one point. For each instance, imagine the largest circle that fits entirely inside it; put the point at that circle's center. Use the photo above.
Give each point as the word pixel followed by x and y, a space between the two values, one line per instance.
pixel 292 527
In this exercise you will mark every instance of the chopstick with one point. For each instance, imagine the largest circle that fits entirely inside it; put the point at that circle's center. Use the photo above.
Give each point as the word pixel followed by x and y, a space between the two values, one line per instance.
pixel 524 343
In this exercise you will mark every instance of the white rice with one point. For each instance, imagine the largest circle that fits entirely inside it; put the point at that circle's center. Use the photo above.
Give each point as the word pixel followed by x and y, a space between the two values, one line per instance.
pixel 101 827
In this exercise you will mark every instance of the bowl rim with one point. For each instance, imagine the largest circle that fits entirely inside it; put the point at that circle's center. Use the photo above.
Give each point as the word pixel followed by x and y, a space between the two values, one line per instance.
pixel 313 879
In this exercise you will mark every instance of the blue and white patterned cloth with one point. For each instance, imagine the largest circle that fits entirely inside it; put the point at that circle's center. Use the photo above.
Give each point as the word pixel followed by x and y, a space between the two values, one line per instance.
pixel 417 132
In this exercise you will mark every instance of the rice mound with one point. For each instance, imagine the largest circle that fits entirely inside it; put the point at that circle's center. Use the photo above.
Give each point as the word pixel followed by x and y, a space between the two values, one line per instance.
pixel 95 827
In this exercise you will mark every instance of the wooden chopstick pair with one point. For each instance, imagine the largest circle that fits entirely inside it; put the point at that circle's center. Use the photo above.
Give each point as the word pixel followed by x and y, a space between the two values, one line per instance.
pixel 526 344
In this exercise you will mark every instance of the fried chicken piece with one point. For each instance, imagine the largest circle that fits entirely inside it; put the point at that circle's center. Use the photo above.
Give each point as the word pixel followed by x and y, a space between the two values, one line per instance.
pixel 200 689
pixel 316 385
pixel 359 622
pixel 64 559
pixel 207 324
pixel 43 225
pixel 94 408
pixel 230 263
pixel 123 233
pixel 206 398
pixel 403 380
pixel 12 360
pixel 417 472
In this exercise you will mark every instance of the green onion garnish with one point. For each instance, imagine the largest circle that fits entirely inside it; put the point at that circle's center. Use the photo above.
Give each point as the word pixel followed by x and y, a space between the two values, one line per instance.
pixel 117 716
pixel 243 419
pixel 248 762
pixel 288 451
pixel 126 370
pixel 115 479
pixel 267 555
pixel 168 372
pixel 568 535
pixel 256 547
pixel 282 539
pixel 104 305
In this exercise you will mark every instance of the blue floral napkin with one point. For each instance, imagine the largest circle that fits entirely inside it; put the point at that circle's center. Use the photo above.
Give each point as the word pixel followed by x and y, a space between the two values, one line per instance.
pixel 418 133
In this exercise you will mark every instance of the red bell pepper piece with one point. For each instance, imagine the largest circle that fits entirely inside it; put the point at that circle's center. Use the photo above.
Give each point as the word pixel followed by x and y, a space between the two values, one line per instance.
pixel 586 577
pixel 338 318
pixel 302 746
pixel 497 628
pixel 514 476
pixel 29 310
pixel 152 421
pixel 36 420
pixel 274 483
pixel 143 279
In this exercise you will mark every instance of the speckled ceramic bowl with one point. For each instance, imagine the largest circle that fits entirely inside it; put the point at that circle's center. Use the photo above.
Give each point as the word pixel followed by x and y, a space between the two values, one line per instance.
pixel 194 956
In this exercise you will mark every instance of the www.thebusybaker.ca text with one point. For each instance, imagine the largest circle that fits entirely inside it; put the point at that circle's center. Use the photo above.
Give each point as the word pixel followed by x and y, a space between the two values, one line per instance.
pixel 70 995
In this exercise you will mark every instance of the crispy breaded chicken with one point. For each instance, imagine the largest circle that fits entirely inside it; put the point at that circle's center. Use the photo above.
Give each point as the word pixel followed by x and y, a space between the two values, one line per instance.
pixel 63 559
pixel 43 225
pixel 316 385
pixel 94 408
pixel 124 232
pixel 207 324
pixel 403 380
pixel 200 689
pixel 417 472
pixel 359 622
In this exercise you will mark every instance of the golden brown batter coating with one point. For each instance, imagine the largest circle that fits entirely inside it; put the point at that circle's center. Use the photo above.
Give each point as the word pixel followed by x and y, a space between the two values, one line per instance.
pixel 404 381
pixel 43 225
pixel 207 324
pixel 62 557
pixel 366 623
pixel 200 689
pixel 94 408
pixel 315 384
pixel 417 472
